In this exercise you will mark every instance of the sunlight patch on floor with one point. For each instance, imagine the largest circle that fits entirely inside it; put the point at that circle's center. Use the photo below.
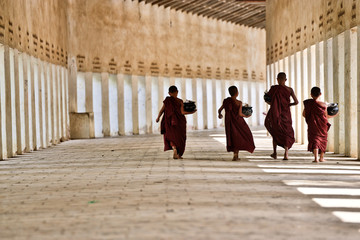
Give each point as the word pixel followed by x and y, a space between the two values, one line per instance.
pixel 337 202
pixel 349 217
pixel 311 171
pixel 329 191
pixel 310 166
pixel 320 183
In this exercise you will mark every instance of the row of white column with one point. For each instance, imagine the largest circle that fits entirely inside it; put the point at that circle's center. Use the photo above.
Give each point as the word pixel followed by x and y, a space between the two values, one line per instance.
pixel 33 103
pixel 129 104
pixel 334 66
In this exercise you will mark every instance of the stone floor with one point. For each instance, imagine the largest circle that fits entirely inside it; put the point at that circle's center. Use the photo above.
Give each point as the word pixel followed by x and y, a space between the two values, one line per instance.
pixel 128 188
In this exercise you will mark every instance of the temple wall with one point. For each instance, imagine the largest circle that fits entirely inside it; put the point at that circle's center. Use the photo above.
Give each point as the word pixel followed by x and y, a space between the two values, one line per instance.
pixel 143 49
pixel 33 75
pixel 83 69
pixel 320 48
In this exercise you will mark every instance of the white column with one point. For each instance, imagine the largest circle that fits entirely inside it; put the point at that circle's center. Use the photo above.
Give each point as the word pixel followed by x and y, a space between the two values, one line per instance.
pixel 194 97
pixel 213 87
pixel 148 104
pixel 89 92
pixel 17 72
pixel 46 104
pixel 305 92
pixel 72 89
pixel 341 92
pixel 298 92
pixel 105 103
pixel 321 69
pixel 62 93
pixel 358 90
pixel 58 103
pixel 53 103
pixel 8 104
pixel 183 88
pixel 50 102
pixel 249 97
pixel 317 65
pixel 172 81
pixel 328 87
pixel 27 115
pixel 154 103
pixel 291 79
pixel 350 92
pixel 336 73
pixel 3 137
pixel 135 104
pixel 161 96
pixel 268 73
pixel 312 67
pixel 222 84
pixel 120 95
pixel 41 100
pixel 204 94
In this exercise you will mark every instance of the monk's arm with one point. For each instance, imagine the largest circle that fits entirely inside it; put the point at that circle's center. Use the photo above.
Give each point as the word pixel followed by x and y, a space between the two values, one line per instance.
pixel 294 97
pixel 303 114
pixel 219 112
pixel 240 112
pixel 183 112
pixel 160 113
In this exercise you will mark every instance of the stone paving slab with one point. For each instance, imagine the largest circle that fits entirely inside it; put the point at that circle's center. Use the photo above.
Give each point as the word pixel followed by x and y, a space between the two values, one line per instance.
pixel 128 188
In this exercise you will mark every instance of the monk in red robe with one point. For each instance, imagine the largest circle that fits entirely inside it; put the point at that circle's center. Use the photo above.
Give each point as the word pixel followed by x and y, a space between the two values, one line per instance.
pixel 238 134
pixel 173 124
pixel 315 113
pixel 278 119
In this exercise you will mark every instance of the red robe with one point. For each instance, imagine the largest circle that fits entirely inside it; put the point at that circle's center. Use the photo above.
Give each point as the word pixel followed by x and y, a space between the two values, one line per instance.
pixel 173 125
pixel 318 125
pixel 238 134
pixel 278 119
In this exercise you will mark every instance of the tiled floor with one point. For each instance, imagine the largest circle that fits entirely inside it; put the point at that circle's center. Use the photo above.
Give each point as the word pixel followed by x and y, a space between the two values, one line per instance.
pixel 128 188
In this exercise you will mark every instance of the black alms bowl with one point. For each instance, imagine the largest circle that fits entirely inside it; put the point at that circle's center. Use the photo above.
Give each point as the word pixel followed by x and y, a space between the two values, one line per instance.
pixel 332 109
pixel 267 97
pixel 247 111
pixel 189 106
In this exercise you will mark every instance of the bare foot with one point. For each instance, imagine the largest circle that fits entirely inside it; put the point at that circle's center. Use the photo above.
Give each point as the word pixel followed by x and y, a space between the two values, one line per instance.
pixel 322 160
pixel 274 156
pixel 285 158
pixel 315 161
pixel 175 155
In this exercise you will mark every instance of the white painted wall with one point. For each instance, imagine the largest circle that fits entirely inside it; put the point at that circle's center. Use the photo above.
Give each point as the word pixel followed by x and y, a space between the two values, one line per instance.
pixel 128 105
pixel 199 103
pixel 81 92
pixel 189 96
pixel 142 107
pixel 209 96
pixel 97 104
pixel 3 151
pixel 155 103
pixel 113 105
pixel 30 81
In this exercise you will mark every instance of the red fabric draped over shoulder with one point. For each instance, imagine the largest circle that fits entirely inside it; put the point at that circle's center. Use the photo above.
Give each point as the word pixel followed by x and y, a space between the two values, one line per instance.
pixel 173 125
pixel 238 134
pixel 278 119
pixel 318 125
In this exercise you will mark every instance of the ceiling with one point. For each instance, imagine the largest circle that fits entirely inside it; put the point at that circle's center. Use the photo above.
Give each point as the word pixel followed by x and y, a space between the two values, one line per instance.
pixel 250 13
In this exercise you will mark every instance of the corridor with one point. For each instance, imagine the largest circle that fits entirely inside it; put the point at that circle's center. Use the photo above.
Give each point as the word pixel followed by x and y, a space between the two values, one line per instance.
pixel 128 188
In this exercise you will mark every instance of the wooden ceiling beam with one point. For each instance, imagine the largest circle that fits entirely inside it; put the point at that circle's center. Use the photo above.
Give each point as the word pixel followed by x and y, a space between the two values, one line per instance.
pixel 194 6
pixel 184 4
pixel 247 12
pixel 232 9
pixel 241 14
pixel 216 9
